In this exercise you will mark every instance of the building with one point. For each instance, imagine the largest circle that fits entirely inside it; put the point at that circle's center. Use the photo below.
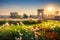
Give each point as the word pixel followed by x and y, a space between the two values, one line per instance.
pixel 40 13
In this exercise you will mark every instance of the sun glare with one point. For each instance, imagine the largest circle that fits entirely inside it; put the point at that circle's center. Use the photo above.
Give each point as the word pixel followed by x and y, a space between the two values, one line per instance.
pixel 50 9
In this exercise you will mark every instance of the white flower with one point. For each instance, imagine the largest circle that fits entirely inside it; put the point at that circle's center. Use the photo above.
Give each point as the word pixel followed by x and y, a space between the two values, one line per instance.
pixel 32 38
pixel 7 24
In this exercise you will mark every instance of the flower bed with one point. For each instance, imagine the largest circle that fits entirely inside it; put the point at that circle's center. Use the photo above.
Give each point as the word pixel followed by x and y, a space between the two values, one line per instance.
pixel 47 30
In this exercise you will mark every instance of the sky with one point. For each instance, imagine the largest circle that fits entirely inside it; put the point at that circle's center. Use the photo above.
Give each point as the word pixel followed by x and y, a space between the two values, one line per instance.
pixel 26 6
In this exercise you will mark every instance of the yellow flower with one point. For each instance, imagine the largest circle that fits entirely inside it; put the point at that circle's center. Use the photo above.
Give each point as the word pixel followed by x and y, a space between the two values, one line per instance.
pixel 15 29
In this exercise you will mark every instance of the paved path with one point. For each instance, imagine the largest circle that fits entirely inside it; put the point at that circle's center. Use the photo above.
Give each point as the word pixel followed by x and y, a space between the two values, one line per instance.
pixel 16 19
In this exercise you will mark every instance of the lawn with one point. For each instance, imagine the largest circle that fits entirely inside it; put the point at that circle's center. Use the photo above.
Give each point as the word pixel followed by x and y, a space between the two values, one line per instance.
pixel 46 30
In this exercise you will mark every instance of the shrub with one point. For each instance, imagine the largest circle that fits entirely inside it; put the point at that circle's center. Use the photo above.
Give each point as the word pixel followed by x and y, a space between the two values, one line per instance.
pixel 3 22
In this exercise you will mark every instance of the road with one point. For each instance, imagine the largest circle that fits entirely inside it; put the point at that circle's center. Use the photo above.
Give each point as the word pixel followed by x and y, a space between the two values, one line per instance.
pixel 17 19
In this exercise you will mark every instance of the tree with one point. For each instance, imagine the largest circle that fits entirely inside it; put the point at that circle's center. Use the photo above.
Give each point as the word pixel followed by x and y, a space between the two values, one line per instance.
pixel 30 16
pixel 25 16
pixel 14 15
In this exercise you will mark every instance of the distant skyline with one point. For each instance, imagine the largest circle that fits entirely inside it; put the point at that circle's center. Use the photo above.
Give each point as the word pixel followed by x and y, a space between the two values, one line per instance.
pixel 26 6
